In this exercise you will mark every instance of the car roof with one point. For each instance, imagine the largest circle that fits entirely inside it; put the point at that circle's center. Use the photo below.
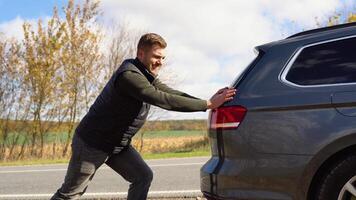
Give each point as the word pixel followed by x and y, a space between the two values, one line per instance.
pixel 318 33
pixel 323 29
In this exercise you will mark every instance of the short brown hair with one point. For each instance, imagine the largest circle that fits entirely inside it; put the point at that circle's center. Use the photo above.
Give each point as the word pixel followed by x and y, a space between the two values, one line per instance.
pixel 150 39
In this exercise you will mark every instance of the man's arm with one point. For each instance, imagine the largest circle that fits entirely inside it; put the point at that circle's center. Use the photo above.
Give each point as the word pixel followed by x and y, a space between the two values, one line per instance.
pixel 137 86
pixel 157 83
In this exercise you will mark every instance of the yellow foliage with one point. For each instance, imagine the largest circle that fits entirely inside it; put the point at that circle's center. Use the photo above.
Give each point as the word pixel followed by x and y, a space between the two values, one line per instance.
pixel 352 17
pixel 338 18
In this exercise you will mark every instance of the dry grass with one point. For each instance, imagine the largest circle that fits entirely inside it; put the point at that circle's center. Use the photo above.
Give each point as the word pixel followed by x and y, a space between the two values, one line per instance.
pixel 177 144
pixel 150 145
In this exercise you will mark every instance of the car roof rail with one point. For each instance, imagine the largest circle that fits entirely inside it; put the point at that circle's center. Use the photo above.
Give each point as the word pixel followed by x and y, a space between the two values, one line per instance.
pixel 323 29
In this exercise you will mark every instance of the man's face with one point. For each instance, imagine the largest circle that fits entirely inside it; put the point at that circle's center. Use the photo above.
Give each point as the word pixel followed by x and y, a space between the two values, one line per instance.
pixel 152 58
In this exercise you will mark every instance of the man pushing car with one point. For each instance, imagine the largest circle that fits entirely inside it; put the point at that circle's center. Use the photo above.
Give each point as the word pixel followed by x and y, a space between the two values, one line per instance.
pixel 104 134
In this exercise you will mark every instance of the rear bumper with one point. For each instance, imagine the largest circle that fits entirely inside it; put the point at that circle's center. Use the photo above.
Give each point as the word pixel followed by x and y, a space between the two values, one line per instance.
pixel 263 177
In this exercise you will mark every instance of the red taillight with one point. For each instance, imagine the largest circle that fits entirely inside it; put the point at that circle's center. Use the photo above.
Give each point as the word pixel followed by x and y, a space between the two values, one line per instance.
pixel 226 117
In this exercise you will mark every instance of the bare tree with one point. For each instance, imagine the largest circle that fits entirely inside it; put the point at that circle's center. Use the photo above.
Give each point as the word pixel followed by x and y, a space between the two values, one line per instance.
pixel 121 42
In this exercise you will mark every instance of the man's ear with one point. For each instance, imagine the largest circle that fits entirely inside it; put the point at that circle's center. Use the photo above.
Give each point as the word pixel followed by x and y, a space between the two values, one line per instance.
pixel 140 53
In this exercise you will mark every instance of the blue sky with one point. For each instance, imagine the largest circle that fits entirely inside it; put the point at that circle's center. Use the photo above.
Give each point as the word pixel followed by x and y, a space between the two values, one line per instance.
pixel 11 9
pixel 209 39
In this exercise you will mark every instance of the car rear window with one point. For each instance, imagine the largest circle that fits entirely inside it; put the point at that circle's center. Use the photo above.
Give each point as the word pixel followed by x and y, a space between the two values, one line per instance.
pixel 328 63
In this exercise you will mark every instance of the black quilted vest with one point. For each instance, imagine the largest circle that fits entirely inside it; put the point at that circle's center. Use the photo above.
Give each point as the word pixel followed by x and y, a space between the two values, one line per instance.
pixel 115 117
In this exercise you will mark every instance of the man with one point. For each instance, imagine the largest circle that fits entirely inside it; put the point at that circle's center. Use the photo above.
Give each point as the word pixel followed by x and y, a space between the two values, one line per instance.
pixel 105 132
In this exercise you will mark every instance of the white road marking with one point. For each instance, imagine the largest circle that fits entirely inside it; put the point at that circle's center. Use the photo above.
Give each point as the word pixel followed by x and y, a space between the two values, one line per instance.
pixel 151 193
pixel 30 170
pixel 101 168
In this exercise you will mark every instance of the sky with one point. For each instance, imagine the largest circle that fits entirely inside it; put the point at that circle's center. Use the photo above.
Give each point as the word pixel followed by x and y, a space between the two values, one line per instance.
pixel 209 41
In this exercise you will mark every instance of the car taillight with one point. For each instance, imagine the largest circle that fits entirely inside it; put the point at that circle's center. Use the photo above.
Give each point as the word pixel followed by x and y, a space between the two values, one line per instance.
pixel 226 117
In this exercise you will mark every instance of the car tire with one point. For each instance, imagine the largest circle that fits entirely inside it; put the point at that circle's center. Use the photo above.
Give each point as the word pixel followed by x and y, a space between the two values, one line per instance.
pixel 336 182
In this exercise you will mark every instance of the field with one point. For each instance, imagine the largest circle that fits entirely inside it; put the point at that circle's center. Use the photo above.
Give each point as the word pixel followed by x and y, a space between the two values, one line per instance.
pixel 61 137
pixel 154 144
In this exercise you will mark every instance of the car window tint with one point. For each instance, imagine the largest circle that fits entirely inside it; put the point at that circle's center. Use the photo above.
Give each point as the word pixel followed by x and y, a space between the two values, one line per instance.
pixel 328 63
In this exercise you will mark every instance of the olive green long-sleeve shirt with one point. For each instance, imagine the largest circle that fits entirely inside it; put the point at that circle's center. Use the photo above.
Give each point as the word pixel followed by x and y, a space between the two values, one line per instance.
pixel 158 94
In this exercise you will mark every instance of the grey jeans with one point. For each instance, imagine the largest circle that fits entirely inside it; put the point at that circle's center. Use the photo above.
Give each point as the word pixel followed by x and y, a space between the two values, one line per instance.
pixel 84 162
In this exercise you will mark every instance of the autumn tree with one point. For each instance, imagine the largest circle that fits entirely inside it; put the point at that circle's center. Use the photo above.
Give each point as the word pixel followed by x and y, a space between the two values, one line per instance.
pixel 8 58
pixel 13 103
pixel 41 60
pixel 51 77
pixel 338 18
pixel 80 60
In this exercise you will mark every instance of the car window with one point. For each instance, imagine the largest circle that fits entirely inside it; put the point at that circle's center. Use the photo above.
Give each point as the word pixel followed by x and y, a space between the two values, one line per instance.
pixel 327 63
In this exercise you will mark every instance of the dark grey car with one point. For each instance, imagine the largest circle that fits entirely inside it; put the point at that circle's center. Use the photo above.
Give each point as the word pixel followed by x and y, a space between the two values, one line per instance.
pixel 290 132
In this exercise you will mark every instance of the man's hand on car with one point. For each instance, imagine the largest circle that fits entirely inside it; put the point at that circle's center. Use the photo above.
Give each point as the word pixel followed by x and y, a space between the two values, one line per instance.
pixel 220 97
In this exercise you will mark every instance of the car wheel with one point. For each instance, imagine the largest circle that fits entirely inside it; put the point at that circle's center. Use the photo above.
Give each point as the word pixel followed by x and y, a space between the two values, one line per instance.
pixel 349 190
pixel 339 183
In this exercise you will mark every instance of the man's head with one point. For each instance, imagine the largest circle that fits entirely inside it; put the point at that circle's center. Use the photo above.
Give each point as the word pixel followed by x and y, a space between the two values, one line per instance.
pixel 150 51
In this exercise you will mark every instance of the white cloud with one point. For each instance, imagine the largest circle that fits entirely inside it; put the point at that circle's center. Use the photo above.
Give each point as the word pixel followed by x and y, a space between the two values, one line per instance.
pixel 13 28
pixel 189 62
pixel 302 12
pixel 210 42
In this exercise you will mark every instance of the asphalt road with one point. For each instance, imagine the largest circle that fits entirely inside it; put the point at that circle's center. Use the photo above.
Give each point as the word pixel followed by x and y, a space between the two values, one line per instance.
pixel 172 178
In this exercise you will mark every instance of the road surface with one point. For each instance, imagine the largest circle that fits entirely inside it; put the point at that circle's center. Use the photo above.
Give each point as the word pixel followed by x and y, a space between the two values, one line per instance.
pixel 172 178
